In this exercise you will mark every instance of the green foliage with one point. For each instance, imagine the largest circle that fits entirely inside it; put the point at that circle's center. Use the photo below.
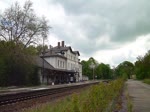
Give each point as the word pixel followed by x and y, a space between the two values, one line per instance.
pixel 86 70
pixel 21 25
pixel 142 66
pixel 125 70
pixel 16 65
pixel 32 50
pixel 40 49
pixel 75 103
pixel 96 99
pixel 19 29
pixel 125 76
pixel 101 71
pixel 147 81
pixel 129 102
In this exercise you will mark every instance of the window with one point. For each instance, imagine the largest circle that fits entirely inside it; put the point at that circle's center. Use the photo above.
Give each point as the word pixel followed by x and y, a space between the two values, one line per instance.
pixel 63 64
pixel 58 63
pixel 71 66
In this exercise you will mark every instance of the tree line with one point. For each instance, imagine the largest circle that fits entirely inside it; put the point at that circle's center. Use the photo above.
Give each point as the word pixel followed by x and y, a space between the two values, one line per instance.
pixel 99 71
pixel 17 65
pixel 139 70
pixel 142 66
pixel 20 31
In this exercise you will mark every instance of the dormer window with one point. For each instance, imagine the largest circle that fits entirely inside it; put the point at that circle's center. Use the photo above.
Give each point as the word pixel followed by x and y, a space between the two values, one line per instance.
pixel 62 52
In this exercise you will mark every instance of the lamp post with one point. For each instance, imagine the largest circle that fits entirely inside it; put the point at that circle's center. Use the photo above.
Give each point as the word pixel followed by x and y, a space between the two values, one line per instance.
pixel 44 36
pixel 92 66
pixel 43 63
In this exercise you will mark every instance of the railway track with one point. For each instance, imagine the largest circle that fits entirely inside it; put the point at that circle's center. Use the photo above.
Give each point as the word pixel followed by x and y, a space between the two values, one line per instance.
pixel 8 99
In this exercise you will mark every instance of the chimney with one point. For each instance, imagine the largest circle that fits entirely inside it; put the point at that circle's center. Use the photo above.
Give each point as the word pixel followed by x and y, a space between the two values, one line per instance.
pixel 50 46
pixel 58 44
pixel 63 43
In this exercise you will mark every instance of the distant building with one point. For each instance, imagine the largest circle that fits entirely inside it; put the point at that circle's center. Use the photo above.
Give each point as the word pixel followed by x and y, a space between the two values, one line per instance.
pixel 85 78
pixel 60 64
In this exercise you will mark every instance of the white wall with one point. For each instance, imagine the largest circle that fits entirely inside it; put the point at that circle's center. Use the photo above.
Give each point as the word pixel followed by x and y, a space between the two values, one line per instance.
pixel 51 60
pixel 71 63
pixel 80 71
pixel 71 60
pixel 55 60
pixel 61 63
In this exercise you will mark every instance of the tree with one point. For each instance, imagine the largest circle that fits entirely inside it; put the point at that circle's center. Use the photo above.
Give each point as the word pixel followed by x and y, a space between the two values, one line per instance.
pixel 101 71
pixel 41 48
pixel 87 70
pixel 92 60
pixel 142 66
pixel 125 69
pixel 17 66
pixel 20 29
pixel 21 25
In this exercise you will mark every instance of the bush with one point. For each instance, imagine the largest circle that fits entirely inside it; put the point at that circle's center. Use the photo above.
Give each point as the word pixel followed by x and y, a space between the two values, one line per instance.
pixel 16 66
pixel 147 81
pixel 96 99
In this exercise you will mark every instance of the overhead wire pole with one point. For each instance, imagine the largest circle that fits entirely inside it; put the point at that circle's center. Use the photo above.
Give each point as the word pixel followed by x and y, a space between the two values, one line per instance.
pixel 43 52
pixel 93 73
pixel 92 66
pixel 43 62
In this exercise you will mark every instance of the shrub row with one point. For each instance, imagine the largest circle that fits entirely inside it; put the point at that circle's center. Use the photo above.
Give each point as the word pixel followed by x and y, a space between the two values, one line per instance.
pixel 147 81
pixel 96 99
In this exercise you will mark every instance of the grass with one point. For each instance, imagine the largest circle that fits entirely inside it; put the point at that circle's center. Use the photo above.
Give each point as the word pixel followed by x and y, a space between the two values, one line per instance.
pixel 147 81
pixel 95 99
pixel 128 100
pixel 129 103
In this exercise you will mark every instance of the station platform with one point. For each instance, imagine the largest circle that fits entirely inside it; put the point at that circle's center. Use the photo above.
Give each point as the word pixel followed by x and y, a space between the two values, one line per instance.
pixel 42 87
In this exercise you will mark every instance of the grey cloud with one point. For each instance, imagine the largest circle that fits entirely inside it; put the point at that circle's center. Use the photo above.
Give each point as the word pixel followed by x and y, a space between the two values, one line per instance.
pixel 122 21
pixel 127 18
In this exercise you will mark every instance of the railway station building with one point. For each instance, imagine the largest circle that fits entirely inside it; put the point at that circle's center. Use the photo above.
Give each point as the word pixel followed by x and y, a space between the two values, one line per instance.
pixel 59 64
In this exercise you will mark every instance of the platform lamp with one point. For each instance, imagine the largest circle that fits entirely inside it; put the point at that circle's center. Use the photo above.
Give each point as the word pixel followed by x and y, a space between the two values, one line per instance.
pixel 92 66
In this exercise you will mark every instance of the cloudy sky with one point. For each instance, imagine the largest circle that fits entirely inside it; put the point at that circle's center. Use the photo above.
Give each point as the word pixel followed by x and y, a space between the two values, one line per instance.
pixel 111 31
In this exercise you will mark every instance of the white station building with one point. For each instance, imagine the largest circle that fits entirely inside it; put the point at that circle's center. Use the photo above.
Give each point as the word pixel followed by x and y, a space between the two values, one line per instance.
pixel 59 65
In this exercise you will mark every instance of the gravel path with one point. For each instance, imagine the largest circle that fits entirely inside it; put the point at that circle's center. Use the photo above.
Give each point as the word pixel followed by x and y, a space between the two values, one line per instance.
pixel 140 95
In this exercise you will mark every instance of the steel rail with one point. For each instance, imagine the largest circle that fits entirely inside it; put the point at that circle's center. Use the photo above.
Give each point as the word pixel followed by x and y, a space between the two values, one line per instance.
pixel 7 99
